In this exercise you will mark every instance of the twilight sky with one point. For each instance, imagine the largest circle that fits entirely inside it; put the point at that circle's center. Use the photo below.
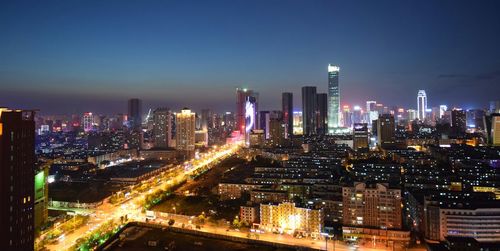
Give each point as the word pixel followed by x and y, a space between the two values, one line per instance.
pixel 75 56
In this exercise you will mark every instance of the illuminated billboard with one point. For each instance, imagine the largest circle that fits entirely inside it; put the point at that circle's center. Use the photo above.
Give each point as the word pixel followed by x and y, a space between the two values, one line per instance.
pixel 249 114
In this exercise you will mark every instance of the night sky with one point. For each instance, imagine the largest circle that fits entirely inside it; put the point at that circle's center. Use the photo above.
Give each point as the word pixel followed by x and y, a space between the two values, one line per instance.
pixel 75 56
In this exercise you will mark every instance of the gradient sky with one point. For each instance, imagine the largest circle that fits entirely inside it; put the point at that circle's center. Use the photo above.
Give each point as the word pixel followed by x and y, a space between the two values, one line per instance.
pixel 74 56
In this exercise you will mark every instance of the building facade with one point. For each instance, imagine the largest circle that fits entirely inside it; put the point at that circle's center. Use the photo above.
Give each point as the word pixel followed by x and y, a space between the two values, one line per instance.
pixel 333 98
pixel 17 163
pixel 185 130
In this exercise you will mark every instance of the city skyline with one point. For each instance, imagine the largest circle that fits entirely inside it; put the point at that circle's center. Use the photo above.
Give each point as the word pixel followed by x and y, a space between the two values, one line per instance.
pixel 70 58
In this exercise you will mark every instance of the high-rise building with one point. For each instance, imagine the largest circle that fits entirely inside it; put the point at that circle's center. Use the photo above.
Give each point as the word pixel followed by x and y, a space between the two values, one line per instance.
pixel 321 113
pixel 458 121
pixel 287 109
pixel 372 206
pixel 386 130
pixel 492 128
pixel 162 127
pixel 88 121
pixel 309 104
pixel 360 135
pixel 333 98
pixel 17 178
pixel 41 207
pixel 246 109
pixel 264 118
pixel 297 123
pixel 346 116
pixel 135 113
pixel 276 131
pixel 357 114
pixel 185 130
pixel 442 110
pixel 371 106
pixel 494 106
pixel 421 104
pixel 206 119
pixel 412 114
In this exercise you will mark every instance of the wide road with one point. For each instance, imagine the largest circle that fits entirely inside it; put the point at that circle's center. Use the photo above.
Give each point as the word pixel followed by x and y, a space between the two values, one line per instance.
pixel 321 244
pixel 133 207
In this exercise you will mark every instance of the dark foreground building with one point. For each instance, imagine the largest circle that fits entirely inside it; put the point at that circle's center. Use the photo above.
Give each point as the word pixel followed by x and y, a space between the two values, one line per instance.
pixel 17 159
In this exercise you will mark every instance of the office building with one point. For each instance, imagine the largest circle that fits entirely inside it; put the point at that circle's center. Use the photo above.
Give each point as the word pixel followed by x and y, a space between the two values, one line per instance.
pixel 461 215
pixel 321 113
pixel 135 113
pixel 17 178
pixel 360 135
pixel 185 130
pixel 309 104
pixel 386 129
pixel 287 109
pixel 162 128
pixel 41 195
pixel 421 104
pixel 297 123
pixel 346 116
pixel 88 122
pixel 276 131
pixel 458 121
pixel 246 110
pixel 333 98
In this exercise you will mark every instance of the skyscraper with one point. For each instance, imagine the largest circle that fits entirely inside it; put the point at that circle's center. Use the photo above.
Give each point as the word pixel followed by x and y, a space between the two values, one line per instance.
pixel 421 104
pixel 88 121
pixel 135 113
pixel 185 130
pixel 242 115
pixel 287 109
pixel 17 179
pixel 333 98
pixel 321 113
pixel 386 130
pixel 162 127
pixel 458 121
pixel 360 135
pixel 309 104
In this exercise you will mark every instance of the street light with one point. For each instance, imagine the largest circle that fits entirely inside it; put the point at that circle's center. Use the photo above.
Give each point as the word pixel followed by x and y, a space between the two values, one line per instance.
pixel 326 235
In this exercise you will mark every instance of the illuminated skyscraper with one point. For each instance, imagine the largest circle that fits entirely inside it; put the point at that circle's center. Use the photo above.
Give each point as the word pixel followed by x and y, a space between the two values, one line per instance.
pixel 421 104
pixel 162 127
pixel 135 113
pixel 17 179
pixel 333 98
pixel 185 130
pixel 88 121
pixel 321 113
pixel 287 109
pixel 243 115
pixel 309 105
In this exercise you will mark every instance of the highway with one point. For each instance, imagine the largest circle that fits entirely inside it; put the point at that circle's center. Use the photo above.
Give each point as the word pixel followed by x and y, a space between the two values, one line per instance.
pixel 133 207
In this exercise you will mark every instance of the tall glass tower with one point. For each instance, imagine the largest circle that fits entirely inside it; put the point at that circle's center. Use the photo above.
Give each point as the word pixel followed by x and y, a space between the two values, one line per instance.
pixel 421 104
pixel 333 98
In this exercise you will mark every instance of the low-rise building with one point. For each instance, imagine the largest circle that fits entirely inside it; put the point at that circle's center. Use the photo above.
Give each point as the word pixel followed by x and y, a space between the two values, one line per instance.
pixel 286 217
